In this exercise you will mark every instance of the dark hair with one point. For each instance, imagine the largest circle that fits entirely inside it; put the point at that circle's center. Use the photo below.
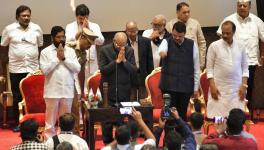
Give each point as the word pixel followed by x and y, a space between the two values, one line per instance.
pixel 148 147
pixel 235 121
pixel 21 9
pixel 122 135
pixel 180 5
pixel 173 140
pixel 29 130
pixel 55 30
pixel 133 127
pixel 179 27
pixel 196 120
pixel 209 146
pixel 64 146
pixel 230 22
pixel 67 122
pixel 82 10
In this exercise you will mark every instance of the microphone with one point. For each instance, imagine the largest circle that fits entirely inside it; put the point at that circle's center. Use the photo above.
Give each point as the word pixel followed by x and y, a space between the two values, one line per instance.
pixel 116 89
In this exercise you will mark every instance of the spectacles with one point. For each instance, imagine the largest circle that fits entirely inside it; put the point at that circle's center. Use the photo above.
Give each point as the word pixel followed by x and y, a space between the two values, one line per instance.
pixel 156 25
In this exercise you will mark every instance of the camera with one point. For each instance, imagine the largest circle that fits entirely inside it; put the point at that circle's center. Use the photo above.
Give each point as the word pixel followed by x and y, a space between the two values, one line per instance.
pixel 166 112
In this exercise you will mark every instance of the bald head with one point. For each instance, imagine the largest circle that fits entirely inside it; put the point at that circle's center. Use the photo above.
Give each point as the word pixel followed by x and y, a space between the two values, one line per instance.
pixel 120 39
pixel 131 30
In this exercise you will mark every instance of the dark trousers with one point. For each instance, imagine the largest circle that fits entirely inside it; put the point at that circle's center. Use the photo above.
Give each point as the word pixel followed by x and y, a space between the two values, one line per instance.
pixel 250 83
pixel 15 79
pixel 180 101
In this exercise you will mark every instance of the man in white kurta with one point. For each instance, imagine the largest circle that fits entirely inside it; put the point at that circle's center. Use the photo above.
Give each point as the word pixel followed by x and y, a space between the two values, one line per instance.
pixel 156 34
pixel 250 30
pixel 227 72
pixel 59 64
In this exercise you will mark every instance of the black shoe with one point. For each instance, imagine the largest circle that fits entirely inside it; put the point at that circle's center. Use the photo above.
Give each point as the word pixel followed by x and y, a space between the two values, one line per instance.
pixel 16 129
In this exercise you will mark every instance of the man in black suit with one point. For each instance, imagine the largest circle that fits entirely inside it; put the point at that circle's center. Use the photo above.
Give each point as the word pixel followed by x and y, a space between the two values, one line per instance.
pixel 144 60
pixel 117 64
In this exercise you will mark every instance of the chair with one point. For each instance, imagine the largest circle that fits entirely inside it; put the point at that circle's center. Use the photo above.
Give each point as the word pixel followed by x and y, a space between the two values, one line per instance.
pixel 154 93
pixel 33 104
pixel 93 83
pixel 204 83
pixel 6 96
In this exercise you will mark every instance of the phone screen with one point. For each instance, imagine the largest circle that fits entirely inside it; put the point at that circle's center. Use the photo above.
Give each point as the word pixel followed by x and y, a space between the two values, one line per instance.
pixel 126 110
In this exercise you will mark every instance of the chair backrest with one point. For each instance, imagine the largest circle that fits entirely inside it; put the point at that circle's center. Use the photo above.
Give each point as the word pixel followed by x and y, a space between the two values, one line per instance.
pixel 93 82
pixel 152 86
pixel 31 88
pixel 204 82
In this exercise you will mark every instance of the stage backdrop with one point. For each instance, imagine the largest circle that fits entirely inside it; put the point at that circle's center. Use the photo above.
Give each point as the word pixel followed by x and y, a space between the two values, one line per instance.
pixel 112 15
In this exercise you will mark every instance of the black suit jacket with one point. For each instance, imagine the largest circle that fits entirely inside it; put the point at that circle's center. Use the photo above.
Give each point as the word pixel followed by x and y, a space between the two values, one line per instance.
pixel 117 75
pixel 145 60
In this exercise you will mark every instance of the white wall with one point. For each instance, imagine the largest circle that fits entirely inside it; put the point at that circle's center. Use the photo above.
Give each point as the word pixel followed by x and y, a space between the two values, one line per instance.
pixel 112 15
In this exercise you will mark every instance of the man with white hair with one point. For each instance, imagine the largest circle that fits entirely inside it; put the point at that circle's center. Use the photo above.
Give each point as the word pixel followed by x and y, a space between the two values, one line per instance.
pixel 250 29
pixel 193 29
pixel 156 34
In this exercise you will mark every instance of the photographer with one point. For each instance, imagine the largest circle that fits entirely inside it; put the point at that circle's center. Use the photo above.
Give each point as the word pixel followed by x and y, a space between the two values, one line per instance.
pixel 178 135
pixel 229 133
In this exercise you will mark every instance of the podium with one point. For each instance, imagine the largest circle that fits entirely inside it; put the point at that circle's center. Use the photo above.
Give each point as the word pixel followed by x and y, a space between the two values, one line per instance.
pixel 111 114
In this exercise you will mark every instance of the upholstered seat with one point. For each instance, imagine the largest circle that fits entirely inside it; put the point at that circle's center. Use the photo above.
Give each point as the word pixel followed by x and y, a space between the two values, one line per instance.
pixel 154 93
pixel 33 104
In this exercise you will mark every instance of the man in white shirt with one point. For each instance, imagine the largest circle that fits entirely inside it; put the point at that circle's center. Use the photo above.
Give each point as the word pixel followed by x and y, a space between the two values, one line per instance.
pixel 66 122
pixel 23 38
pixel 227 72
pixel 59 64
pixel 193 29
pixel 250 29
pixel 73 31
pixel 156 34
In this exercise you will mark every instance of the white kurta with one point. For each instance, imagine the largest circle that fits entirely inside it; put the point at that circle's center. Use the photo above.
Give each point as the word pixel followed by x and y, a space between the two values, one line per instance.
pixel 226 64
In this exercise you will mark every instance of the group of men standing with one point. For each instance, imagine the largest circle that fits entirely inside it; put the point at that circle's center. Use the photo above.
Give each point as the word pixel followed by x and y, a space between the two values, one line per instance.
pixel 178 46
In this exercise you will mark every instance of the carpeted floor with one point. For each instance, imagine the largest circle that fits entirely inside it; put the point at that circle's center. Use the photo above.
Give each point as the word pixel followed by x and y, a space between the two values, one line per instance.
pixel 9 138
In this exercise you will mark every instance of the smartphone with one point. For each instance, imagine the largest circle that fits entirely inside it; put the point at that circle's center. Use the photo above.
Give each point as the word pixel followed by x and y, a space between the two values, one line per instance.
pixel 125 110
pixel 218 119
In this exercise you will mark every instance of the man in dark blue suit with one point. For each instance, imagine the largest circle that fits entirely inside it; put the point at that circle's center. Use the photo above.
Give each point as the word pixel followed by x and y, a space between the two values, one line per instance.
pixel 143 58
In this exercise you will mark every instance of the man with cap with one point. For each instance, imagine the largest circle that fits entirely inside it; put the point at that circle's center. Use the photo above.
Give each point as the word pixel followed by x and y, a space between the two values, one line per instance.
pixel 250 29
pixel 84 42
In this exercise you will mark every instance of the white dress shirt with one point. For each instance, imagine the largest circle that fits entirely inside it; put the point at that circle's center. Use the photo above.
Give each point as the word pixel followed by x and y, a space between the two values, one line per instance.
pixel 248 33
pixel 134 45
pixel 226 64
pixel 164 48
pixel 76 142
pixel 59 75
pixel 92 64
pixel 155 52
pixel 23 46
pixel 194 32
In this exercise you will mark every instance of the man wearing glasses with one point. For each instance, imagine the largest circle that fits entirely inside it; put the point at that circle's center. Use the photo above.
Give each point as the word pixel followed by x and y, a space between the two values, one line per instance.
pixel 156 34
pixel 117 64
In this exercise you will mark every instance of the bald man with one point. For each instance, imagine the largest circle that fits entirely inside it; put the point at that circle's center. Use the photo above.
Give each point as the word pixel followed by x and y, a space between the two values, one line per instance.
pixel 117 64
pixel 144 60
pixel 156 34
